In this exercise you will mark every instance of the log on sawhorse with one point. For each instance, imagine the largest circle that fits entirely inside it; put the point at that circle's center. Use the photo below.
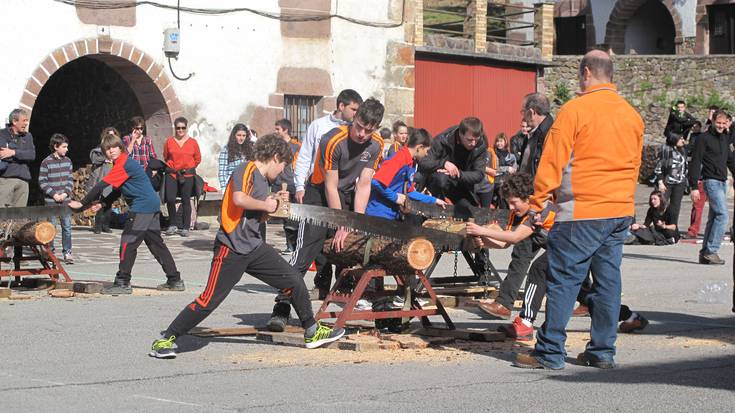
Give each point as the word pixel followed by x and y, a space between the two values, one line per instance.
pixel 411 308
pixel 50 264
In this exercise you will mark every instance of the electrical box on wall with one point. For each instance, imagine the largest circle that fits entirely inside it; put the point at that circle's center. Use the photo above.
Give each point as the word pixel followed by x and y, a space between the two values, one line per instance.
pixel 171 40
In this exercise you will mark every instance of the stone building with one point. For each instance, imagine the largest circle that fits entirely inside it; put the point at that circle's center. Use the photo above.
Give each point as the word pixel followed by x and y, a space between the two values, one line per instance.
pixel 645 26
pixel 79 66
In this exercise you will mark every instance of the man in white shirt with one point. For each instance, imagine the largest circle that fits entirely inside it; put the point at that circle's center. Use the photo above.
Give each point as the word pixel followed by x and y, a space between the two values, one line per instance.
pixel 348 101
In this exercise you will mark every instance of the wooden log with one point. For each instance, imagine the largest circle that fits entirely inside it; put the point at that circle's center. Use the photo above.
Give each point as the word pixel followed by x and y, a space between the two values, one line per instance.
pixel 395 256
pixel 459 227
pixel 29 232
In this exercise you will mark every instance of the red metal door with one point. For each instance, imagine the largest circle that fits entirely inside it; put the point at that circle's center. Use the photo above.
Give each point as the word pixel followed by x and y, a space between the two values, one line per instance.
pixel 448 91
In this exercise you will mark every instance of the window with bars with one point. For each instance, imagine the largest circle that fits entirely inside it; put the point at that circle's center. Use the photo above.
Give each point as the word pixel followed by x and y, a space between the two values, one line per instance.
pixel 301 111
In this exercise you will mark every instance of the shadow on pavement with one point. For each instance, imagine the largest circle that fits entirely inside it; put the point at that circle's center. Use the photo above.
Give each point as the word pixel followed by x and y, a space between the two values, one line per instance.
pixel 650 257
pixel 710 373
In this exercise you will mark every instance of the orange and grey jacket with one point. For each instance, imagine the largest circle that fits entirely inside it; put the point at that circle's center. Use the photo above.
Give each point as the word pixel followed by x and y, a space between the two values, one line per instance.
pixel 591 158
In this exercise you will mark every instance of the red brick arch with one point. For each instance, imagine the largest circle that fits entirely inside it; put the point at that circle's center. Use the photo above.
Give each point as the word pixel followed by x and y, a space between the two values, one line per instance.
pixel 623 11
pixel 146 77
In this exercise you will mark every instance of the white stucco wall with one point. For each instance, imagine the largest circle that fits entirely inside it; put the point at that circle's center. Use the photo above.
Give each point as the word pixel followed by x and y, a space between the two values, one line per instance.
pixel 236 57
pixel 688 11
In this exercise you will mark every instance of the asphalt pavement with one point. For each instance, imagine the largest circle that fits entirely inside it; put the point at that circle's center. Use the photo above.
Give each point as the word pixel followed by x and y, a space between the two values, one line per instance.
pixel 90 353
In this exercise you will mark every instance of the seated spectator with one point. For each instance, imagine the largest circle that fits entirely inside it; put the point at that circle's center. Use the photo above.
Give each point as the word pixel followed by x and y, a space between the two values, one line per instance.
pixel 659 227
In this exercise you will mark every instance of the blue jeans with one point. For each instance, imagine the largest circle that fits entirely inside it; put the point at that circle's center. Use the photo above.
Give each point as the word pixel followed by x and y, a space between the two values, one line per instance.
pixel 573 249
pixel 65 233
pixel 717 218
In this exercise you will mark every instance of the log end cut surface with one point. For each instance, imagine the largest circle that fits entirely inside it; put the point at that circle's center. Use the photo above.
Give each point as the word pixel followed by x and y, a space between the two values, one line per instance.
pixel 420 254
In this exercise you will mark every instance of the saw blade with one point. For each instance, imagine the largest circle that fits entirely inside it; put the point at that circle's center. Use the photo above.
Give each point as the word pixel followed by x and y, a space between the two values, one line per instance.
pixel 35 212
pixel 481 216
pixel 375 226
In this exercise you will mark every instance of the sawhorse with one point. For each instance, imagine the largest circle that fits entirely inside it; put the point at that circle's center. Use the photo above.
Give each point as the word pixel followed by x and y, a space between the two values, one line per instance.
pixel 50 265
pixel 411 308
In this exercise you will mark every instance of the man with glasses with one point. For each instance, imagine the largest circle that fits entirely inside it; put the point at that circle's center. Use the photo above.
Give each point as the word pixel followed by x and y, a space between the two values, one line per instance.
pixel 345 161
pixel 139 146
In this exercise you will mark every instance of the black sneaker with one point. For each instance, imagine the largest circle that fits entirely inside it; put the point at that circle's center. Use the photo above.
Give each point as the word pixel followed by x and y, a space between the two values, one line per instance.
pixel 97 230
pixel 164 348
pixel 106 230
pixel 279 318
pixel 177 285
pixel 587 360
pixel 118 289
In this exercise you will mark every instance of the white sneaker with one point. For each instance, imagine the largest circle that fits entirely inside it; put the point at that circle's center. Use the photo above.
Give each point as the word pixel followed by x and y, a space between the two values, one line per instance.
pixel 363 304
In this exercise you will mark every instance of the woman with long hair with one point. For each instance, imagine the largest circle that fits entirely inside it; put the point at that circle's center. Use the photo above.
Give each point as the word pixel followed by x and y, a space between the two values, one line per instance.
pixel 659 227
pixel 507 165
pixel 672 172
pixel 239 149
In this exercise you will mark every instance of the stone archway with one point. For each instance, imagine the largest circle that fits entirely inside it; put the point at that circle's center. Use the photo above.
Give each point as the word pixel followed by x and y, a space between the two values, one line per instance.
pixel 147 79
pixel 623 11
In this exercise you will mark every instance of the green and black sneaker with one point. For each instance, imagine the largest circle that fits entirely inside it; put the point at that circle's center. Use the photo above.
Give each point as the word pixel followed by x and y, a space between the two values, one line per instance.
pixel 164 348
pixel 323 335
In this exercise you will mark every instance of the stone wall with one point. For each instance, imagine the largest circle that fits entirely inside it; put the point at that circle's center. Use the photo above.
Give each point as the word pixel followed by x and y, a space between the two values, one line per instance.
pixel 653 83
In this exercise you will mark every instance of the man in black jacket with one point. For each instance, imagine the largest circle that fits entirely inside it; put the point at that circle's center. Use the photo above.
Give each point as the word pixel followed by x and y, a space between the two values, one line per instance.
pixel 537 114
pixel 710 160
pixel 16 153
pixel 680 121
pixel 456 162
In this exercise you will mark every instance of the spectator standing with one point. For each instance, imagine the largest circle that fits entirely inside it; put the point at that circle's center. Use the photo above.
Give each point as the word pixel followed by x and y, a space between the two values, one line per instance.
pixel 710 112
pixel 695 217
pixel 181 153
pixel 680 121
pixel 138 145
pixel 16 153
pixel 519 141
pixel 507 166
pixel 590 165
pixel 239 149
pixel 290 227
pixel 710 162
pixel 348 101
pixel 400 137
pixel 55 180
pixel 672 174
pixel 101 166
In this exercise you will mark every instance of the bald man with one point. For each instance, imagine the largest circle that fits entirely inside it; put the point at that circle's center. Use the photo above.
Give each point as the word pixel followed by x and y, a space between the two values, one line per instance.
pixel 590 165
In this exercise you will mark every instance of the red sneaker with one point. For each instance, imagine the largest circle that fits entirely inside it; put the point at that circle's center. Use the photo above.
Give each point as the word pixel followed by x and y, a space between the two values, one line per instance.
pixel 517 330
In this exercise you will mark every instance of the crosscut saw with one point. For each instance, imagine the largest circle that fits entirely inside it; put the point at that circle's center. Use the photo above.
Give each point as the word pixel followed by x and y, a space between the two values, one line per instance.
pixel 369 225
pixel 35 212
pixel 480 216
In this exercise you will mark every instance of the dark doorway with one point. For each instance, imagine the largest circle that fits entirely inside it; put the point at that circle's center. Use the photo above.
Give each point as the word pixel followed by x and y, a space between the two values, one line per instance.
pixel 651 30
pixel 79 100
pixel 721 29
pixel 571 35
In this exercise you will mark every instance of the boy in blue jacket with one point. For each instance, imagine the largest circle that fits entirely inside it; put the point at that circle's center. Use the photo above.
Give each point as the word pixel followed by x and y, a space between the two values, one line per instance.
pixel 393 182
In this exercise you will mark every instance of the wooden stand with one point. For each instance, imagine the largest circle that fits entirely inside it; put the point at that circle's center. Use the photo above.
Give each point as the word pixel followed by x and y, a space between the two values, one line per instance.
pixel 35 236
pixel 411 309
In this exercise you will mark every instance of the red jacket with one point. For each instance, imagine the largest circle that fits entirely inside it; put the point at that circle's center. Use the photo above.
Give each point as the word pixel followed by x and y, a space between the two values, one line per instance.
pixel 186 156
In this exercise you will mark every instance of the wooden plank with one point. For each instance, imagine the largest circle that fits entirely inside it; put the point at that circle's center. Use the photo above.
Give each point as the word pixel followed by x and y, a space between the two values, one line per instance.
pixel 237 331
pixel 5 292
pixel 411 341
pixel 291 339
pixel 462 334
pixel 463 290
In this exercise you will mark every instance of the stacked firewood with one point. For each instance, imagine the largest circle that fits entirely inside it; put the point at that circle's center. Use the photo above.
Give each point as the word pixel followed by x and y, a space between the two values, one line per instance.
pixel 86 218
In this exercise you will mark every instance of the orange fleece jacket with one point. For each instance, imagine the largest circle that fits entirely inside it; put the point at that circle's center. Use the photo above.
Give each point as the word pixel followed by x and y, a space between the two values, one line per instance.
pixel 591 158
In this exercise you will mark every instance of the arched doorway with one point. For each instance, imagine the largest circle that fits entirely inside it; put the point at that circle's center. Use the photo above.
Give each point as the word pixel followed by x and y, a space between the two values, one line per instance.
pixel 83 87
pixel 644 27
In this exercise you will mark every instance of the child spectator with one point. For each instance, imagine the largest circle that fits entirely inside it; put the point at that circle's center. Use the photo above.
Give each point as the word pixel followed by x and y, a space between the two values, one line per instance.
pixel 101 166
pixel 507 165
pixel 55 181
pixel 400 137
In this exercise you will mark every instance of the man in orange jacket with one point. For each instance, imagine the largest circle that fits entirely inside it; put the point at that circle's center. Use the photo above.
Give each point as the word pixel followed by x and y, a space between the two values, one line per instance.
pixel 590 164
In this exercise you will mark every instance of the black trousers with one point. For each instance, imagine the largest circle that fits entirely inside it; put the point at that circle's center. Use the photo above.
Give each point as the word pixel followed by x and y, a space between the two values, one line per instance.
pixel 674 195
pixel 443 186
pixel 520 260
pixel 102 218
pixel 535 288
pixel 182 188
pixel 263 263
pixel 144 228
pixel 625 311
pixel 310 239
